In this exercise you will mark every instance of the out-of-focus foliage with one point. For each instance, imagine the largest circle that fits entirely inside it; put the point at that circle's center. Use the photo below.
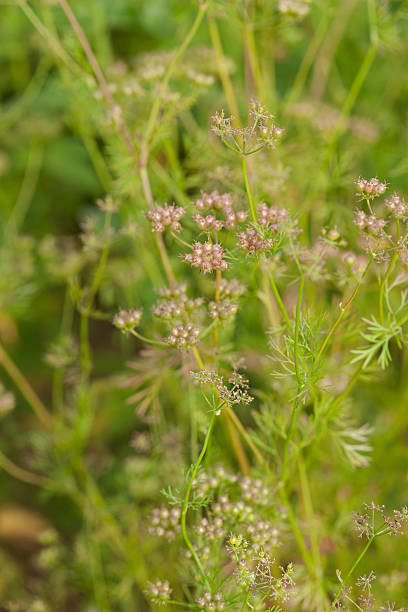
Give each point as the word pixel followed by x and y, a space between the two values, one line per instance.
pixel 77 488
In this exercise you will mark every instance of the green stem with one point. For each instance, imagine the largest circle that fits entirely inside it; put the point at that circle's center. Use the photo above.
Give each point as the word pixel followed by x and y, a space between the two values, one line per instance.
pixel 382 286
pixel 251 204
pixel 25 388
pixel 279 301
pixel 357 561
pixel 163 85
pixel 187 498
pixel 245 602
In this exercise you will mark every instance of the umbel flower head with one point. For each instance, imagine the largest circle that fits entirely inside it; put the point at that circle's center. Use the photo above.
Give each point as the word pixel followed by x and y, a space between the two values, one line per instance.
pixel 207 256
pixel 127 320
pixel 183 336
pixel 370 189
pixel 166 216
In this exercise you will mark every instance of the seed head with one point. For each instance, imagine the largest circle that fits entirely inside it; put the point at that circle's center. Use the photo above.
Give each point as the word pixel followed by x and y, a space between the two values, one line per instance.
pixel 183 336
pixel 127 320
pixel 166 216
pixel 208 257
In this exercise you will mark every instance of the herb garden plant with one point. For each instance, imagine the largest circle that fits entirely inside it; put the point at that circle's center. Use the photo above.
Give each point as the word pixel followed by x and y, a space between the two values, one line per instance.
pixel 203 320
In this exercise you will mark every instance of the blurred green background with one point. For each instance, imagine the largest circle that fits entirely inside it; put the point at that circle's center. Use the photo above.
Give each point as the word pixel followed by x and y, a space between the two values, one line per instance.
pixel 340 89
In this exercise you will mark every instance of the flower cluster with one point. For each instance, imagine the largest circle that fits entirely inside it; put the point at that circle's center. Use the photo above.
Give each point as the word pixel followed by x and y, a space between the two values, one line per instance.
pixel 158 592
pixel 164 522
pixel 175 303
pixel 210 530
pixel 365 522
pixel 207 256
pixel 224 310
pixel 370 189
pixel 252 240
pixel 213 602
pixel 231 288
pixel 208 223
pixel 272 216
pixel 261 131
pixel 183 336
pixel 294 8
pixel 166 216
pixel 397 206
pixel 235 393
pixel 223 203
pixel 127 320
pixel 368 222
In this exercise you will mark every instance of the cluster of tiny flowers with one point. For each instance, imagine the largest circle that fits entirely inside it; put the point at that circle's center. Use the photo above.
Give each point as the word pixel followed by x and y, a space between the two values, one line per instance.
pixel 269 133
pixel 272 216
pixel 251 240
pixel 224 310
pixel 210 530
pixel 368 222
pixel 294 8
pixel 127 320
pixel 223 203
pixel 211 602
pixel 252 489
pixel 158 592
pixel 251 138
pixel 207 223
pixel 397 207
pixel 263 535
pixel 370 189
pixel 231 288
pixel 174 307
pixel 236 393
pixel 390 524
pixel 366 598
pixel 164 522
pixel 222 125
pixel 206 483
pixel 183 336
pixel 355 263
pixel 166 216
pixel 207 256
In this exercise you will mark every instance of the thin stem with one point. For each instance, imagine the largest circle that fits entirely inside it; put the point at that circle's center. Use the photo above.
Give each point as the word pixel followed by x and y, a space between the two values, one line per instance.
pixel 25 388
pixel 20 473
pixel 251 204
pixel 217 299
pixel 356 562
pixel 245 602
pixel 383 284
pixel 340 317
pixel 279 301
pixel 147 340
pixel 151 122
pixel 184 509
pixel 297 401
pixel 223 69
pixel 97 70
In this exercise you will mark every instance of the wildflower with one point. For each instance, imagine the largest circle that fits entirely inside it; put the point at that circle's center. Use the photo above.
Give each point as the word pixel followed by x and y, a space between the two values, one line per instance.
pixel 208 257
pixel 183 336
pixel 127 320
pixel 370 189
pixel 251 240
pixel 223 310
pixel 166 216
pixel 397 207
pixel 165 522
pixel 231 288
pixel 221 125
pixel 294 8
pixel 210 530
pixel 211 602
pixel 272 216
pixel 208 223
pixel 158 592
